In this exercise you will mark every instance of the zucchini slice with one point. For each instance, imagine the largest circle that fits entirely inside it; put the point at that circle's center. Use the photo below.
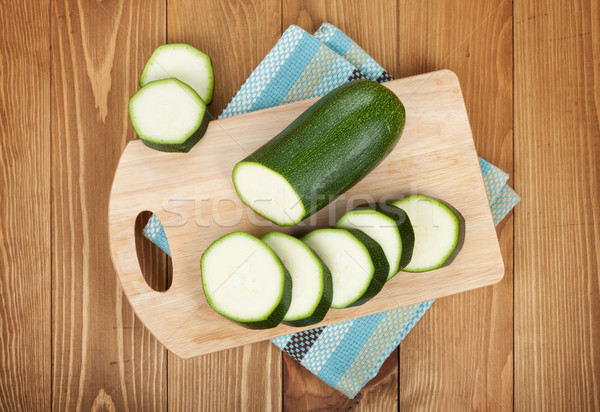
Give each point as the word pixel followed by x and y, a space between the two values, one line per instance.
pixel 311 280
pixel 244 280
pixel 168 115
pixel 387 225
pixel 357 263
pixel 439 232
pixel 321 154
pixel 183 62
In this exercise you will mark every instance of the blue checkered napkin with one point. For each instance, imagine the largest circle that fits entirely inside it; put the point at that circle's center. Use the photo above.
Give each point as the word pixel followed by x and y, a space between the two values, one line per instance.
pixel 348 354
pixel 504 203
pixel 501 196
pixel 493 178
pixel 297 68
pixel 343 45
pixel 155 232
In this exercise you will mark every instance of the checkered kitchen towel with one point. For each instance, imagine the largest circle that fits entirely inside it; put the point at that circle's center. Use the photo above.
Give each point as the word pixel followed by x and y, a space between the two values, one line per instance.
pixel 348 354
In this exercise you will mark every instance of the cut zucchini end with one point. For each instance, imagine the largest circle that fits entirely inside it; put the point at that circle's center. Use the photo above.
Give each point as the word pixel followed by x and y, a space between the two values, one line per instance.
pixel 439 232
pixel 267 193
pixel 244 280
pixel 349 261
pixel 168 115
pixel 311 280
pixel 184 62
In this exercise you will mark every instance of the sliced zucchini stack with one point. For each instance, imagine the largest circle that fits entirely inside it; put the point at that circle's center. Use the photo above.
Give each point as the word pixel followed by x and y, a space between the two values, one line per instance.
pixel 183 62
pixel 311 279
pixel 387 225
pixel 168 115
pixel 169 112
pixel 439 232
pixel 357 263
pixel 245 281
pixel 262 282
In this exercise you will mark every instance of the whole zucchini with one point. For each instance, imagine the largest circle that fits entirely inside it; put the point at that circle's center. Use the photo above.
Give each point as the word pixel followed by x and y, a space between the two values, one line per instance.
pixel 321 154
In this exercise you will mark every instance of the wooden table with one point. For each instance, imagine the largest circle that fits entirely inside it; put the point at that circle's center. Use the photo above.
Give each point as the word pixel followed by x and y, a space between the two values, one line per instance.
pixel 530 72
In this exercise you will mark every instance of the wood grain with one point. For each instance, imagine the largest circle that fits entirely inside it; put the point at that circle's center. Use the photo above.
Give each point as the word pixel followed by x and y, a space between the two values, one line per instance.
pixel 103 358
pixel 247 378
pixel 68 336
pixel 377 37
pixel 25 297
pixel 435 156
pixel 308 391
pixel 303 391
pixel 237 35
pixel 459 356
pixel 557 236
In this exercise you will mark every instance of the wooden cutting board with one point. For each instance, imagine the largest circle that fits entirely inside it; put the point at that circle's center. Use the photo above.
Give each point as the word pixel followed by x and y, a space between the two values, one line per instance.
pixel 193 196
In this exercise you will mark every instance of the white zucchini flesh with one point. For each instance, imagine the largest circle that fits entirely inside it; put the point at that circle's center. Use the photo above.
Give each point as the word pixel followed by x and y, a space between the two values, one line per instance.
pixel 306 271
pixel 381 228
pixel 267 193
pixel 242 278
pixel 437 232
pixel 183 62
pixel 348 260
pixel 166 112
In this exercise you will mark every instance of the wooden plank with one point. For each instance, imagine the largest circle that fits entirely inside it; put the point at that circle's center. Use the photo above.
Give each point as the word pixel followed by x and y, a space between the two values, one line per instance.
pixel 237 35
pixel 25 276
pixel 557 233
pixel 102 355
pixel 377 37
pixel 301 389
pixel 245 378
pixel 436 154
pixel 459 357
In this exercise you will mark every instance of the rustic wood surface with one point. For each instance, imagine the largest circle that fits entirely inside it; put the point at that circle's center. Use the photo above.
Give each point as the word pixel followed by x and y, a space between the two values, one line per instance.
pixel 69 339
pixel 557 230
pixel 25 211
pixel 237 35
pixel 463 346
pixel 101 354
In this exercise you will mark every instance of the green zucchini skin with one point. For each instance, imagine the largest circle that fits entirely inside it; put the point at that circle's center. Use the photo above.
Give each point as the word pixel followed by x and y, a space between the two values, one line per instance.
pixel 277 315
pixel 380 264
pixel 172 71
pixel 324 305
pixel 407 233
pixel 460 240
pixel 191 139
pixel 335 142
pixel 186 146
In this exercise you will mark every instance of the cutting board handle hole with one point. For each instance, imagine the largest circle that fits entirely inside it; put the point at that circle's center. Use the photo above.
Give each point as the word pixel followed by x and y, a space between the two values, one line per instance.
pixel 155 264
